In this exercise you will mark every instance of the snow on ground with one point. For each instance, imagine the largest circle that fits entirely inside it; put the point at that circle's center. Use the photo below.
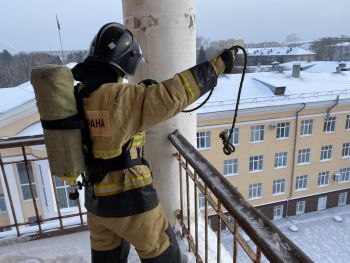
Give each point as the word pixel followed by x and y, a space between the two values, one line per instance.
pixel 319 236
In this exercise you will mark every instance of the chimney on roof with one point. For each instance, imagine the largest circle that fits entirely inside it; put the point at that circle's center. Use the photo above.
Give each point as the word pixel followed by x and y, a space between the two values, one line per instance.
pixel 296 71
pixel 341 67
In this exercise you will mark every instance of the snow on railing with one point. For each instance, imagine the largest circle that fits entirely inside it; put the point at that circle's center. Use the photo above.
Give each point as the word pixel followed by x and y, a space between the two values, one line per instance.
pixel 18 150
pixel 230 210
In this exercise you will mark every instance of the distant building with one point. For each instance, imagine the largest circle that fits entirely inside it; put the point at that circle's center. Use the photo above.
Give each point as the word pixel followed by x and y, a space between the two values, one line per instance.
pixel 292 138
pixel 265 56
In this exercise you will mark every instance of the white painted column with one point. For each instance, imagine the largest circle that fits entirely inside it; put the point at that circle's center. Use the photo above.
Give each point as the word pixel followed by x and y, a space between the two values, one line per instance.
pixel 15 194
pixel 166 32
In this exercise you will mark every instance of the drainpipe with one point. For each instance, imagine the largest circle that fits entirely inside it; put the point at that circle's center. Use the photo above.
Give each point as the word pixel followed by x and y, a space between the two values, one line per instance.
pixel 167 35
pixel 331 107
pixel 294 152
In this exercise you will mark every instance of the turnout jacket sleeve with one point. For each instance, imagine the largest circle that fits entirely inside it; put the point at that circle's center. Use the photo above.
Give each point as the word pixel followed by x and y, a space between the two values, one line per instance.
pixel 162 101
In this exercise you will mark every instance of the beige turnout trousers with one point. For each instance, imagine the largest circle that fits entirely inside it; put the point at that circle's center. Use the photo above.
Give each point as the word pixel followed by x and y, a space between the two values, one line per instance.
pixel 145 231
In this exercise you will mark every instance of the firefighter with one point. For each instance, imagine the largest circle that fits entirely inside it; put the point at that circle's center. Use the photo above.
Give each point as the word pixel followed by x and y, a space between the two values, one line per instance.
pixel 122 204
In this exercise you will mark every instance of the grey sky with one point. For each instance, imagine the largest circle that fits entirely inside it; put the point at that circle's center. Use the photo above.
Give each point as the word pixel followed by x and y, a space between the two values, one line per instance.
pixel 31 25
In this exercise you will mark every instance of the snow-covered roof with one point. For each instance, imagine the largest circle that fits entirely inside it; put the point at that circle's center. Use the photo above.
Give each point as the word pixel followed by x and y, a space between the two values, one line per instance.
pixel 33 129
pixel 278 51
pixel 312 86
pixel 11 98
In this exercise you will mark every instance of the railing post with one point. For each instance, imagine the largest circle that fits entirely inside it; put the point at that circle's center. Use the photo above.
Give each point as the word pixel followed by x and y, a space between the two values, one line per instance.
pixel 9 195
pixel 31 189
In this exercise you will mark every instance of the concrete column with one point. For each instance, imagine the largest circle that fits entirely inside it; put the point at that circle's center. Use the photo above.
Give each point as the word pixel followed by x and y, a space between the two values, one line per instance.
pixel 166 32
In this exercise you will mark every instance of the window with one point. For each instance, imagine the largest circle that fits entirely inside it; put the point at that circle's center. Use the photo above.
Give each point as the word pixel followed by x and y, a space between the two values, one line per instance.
pixel 300 207
pixel 203 140
pixel 278 186
pixel 277 212
pixel 2 203
pixel 322 203
pixel 326 152
pixel 282 130
pixel 301 182
pixel 342 198
pixel 346 150
pixel 304 156
pixel 234 137
pixel 256 163
pixel 23 180
pixel 255 191
pixel 281 159
pixel 329 124
pixel 231 167
pixel 345 174
pixel 201 201
pixel 323 179
pixel 257 133
pixel 63 194
pixel 306 127
pixel 347 123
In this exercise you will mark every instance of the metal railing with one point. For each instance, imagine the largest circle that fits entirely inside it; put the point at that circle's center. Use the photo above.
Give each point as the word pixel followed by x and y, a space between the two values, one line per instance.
pixel 227 203
pixel 21 154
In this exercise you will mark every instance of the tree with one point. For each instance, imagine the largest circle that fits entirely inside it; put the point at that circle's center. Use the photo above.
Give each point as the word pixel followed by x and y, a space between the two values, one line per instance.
pixel 201 55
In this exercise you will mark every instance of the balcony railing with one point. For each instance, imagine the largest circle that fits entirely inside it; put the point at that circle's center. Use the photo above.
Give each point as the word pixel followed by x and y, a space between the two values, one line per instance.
pixel 230 208
pixel 14 151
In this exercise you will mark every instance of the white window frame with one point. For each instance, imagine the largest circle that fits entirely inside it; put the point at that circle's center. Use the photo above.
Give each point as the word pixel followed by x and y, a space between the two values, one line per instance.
pixel 300 207
pixel 321 205
pixel 329 124
pixel 203 136
pixel 347 122
pixel 306 128
pixel 304 156
pixel 62 186
pixel 257 133
pixel 230 167
pixel 25 185
pixel 201 201
pixel 256 163
pixel 283 130
pixel 255 191
pixel 301 182
pixel 279 186
pixel 346 150
pixel 344 175
pixel 343 197
pixel 3 208
pixel 277 212
pixel 326 152
pixel 323 179
pixel 281 160
pixel 235 136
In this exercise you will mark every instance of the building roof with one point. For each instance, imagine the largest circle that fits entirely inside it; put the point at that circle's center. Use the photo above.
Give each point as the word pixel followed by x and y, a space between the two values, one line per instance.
pixel 278 51
pixel 316 84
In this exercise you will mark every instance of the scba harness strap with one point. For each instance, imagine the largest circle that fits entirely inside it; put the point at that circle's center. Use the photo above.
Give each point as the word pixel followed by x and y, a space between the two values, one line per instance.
pixel 95 169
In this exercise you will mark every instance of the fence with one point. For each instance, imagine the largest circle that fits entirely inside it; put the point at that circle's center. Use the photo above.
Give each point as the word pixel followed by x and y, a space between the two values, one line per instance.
pixel 18 151
pixel 231 210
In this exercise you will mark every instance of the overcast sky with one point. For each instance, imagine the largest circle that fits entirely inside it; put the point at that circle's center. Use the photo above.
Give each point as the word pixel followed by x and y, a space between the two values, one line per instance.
pixel 31 25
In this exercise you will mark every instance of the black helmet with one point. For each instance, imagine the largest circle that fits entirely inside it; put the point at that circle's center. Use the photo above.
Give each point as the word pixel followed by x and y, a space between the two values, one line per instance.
pixel 115 45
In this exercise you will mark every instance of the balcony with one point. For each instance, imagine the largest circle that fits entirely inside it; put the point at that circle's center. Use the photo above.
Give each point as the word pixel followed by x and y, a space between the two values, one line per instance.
pixel 199 240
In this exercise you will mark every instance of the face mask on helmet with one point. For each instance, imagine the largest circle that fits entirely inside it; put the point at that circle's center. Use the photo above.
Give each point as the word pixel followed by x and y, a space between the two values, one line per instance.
pixel 115 45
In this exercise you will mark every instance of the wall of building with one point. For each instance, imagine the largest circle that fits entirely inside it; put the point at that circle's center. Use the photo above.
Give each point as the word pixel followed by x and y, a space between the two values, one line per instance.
pixel 245 149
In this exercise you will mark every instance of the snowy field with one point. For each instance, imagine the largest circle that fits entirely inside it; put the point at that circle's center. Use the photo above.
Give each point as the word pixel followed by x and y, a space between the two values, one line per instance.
pixel 319 235
pixel 322 238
